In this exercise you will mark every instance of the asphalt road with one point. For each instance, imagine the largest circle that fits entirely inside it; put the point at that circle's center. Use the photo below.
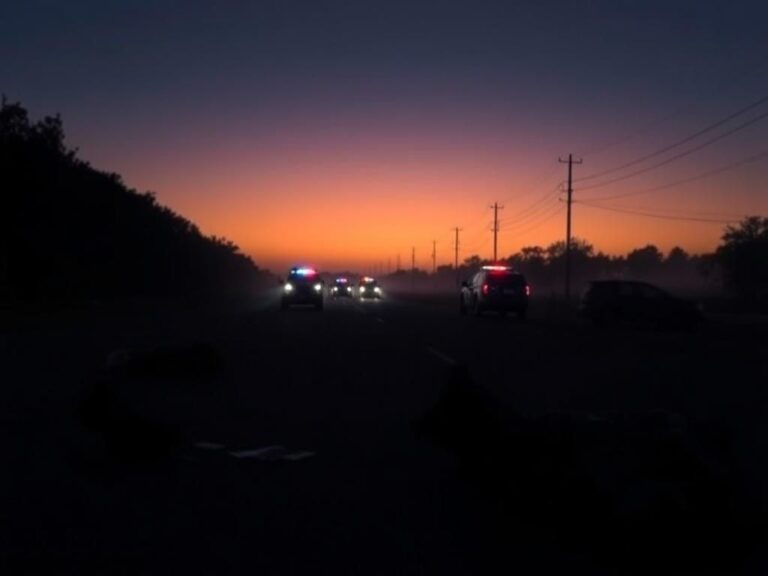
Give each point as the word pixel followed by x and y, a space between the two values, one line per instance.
pixel 290 442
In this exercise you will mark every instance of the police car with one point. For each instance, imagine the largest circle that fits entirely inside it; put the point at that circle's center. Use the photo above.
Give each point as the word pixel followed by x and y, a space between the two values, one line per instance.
pixel 368 288
pixel 342 288
pixel 495 289
pixel 302 287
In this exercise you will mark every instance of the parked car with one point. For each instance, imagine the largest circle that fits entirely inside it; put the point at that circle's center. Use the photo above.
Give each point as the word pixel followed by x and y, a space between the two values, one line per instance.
pixel 495 289
pixel 607 302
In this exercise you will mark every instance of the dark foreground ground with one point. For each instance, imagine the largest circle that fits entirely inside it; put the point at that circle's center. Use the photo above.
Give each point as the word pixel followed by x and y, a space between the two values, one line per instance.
pixel 389 437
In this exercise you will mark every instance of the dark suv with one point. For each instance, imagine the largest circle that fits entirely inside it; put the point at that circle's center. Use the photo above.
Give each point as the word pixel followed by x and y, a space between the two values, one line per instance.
pixel 630 302
pixel 498 289
pixel 303 286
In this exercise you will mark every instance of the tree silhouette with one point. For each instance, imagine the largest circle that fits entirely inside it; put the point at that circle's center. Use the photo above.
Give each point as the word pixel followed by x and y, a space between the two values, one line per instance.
pixel 743 256
pixel 677 258
pixel 580 249
pixel 73 233
pixel 645 262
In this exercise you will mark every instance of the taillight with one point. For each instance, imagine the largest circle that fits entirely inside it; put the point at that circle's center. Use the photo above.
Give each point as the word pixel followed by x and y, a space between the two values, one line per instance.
pixel 527 290
pixel 485 288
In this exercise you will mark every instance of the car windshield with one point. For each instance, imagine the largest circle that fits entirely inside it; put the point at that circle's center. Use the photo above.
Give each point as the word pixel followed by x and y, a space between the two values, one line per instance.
pixel 303 278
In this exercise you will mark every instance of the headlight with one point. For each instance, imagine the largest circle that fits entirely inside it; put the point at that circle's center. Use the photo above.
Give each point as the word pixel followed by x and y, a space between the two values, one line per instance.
pixel 288 287
pixel 318 287
pixel 377 290
pixel 335 289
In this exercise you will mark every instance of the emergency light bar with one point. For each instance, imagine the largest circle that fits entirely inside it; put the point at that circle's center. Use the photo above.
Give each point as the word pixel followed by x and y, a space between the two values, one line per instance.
pixel 496 268
pixel 304 271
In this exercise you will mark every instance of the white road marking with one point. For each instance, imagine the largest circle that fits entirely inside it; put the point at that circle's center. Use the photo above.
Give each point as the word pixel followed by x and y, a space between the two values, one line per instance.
pixel 444 357
pixel 261 453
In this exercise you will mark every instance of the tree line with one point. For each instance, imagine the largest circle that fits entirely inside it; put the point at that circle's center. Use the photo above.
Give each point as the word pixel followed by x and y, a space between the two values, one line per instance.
pixel 73 233
pixel 737 268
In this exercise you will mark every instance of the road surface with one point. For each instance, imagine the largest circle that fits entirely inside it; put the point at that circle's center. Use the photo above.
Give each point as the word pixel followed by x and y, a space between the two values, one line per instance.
pixel 297 447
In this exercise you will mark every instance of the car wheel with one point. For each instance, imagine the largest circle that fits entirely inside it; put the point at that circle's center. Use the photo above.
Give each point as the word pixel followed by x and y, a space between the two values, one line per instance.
pixel 476 308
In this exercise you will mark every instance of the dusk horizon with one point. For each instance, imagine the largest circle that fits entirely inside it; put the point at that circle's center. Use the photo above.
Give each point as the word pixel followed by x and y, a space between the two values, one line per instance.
pixel 355 134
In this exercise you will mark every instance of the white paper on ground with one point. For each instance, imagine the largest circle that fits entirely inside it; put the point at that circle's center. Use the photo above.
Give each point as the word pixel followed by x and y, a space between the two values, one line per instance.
pixel 262 453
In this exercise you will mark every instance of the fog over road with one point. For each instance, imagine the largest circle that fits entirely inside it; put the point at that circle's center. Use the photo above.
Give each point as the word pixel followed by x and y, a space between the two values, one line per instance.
pixel 299 452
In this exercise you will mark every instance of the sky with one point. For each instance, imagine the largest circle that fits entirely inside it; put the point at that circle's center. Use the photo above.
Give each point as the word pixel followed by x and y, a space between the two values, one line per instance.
pixel 349 134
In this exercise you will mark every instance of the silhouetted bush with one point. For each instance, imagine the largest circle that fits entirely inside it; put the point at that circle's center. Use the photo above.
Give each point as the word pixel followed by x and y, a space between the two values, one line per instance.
pixel 72 233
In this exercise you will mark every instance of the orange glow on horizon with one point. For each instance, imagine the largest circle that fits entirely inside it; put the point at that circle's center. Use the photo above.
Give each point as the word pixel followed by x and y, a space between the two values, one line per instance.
pixel 340 208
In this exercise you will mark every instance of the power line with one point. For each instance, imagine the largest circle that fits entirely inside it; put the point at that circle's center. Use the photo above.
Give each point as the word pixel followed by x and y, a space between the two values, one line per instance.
pixel 680 155
pixel 725 82
pixel 480 222
pixel 479 241
pixel 696 178
pixel 534 206
pixel 676 144
pixel 549 216
pixel 543 209
pixel 648 127
pixel 670 211
pixel 656 215
pixel 534 185
pixel 544 213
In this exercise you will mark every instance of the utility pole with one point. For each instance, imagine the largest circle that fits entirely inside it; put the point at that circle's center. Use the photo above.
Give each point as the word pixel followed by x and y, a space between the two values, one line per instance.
pixel 496 209
pixel 413 265
pixel 434 256
pixel 398 262
pixel 570 163
pixel 456 254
